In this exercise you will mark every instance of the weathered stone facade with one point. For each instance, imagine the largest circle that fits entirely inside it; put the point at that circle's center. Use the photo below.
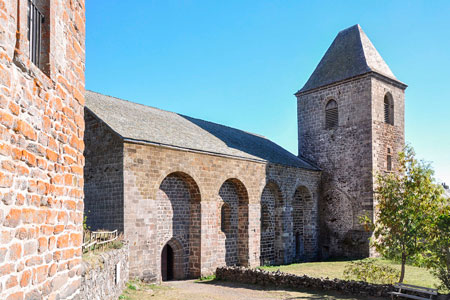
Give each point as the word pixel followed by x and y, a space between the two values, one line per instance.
pixel 353 151
pixel 105 275
pixel 41 151
pixel 103 176
pixel 296 282
pixel 180 198
pixel 191 196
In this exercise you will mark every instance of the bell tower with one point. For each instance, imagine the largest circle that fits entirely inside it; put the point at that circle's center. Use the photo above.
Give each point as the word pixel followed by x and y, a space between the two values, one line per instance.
pixel 351 124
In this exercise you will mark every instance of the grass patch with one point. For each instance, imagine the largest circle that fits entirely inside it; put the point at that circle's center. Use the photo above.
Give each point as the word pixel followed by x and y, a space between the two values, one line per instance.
pixel 138 290
pixel 206 278
pixel 335 269
pixel 93 259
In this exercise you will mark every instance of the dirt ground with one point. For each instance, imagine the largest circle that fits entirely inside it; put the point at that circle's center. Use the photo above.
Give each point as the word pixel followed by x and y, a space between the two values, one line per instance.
pixel 220 290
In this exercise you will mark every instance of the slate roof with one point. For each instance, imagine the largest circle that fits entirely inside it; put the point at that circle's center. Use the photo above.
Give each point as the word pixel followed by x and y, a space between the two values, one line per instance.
pixel 351 54
pixel 144 123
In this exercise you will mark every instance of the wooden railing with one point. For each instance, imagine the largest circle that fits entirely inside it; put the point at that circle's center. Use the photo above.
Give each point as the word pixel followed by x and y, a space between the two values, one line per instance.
pixel 98 239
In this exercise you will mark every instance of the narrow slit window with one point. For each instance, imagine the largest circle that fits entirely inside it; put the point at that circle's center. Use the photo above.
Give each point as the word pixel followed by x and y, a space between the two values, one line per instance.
pixel 389 160
pixel 331 115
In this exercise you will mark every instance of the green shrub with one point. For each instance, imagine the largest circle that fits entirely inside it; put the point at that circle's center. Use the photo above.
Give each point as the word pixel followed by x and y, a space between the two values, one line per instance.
pixel 439 247
pixel 207 278
pixel 369 270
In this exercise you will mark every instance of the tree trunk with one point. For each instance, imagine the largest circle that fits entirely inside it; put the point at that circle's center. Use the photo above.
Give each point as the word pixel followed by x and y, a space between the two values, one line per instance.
pixel 402 273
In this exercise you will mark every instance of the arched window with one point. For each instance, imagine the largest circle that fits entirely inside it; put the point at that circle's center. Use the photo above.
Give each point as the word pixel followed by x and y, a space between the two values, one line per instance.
pixel 225 218
pixel 331 115
pixel 388 109
pixel 265 218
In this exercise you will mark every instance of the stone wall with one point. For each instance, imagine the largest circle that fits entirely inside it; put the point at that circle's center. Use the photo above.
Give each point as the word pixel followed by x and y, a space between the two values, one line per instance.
pixel 271 225
pixel 41 151
pixel 103 176
pixel 285 280
pixel 228 241
pixel 105 277
pixel 348 155
pixel 211 181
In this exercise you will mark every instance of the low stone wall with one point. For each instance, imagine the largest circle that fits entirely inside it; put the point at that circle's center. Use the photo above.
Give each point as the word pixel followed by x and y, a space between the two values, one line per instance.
pixel 104 277
pixel 280 279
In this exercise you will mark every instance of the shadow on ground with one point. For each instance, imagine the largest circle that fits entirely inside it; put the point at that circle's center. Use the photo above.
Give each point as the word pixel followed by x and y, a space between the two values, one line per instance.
pixel 296 294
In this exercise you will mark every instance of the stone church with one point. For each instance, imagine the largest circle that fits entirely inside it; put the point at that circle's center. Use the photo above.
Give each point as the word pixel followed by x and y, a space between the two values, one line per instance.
pixel 192 195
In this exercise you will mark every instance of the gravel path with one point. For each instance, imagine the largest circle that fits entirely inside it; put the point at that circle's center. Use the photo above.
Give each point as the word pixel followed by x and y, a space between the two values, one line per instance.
pixel 219 290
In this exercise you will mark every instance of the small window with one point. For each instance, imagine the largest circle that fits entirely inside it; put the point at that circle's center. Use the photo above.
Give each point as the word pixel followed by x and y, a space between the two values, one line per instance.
pixel 331 115
pixel 389 160
pixel 388 109
pixel 39 33
pixel 265 218
pixel 225 218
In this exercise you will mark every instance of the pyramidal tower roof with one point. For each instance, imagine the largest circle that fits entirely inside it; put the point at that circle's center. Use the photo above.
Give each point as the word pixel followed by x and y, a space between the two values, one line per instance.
pixel 351 54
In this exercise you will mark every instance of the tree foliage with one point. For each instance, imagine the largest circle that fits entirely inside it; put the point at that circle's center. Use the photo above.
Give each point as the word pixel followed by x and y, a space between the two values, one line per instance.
pixel 369 270
pixel 438 244
pixel 406 201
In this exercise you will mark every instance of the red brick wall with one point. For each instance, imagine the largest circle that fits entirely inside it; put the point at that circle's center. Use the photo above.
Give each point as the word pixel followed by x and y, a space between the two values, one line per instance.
pixel 41 152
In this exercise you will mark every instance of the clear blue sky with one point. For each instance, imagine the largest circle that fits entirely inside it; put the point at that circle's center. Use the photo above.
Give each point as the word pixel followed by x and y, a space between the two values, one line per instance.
pixel 239 62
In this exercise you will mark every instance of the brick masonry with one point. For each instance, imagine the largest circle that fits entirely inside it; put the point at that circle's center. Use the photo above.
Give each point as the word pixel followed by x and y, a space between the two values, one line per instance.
pixel 41 152
pixel 349 154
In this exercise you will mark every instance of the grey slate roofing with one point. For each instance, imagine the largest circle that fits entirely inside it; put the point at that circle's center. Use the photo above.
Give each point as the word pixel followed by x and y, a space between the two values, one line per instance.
pixel 138 122
pixel 351 54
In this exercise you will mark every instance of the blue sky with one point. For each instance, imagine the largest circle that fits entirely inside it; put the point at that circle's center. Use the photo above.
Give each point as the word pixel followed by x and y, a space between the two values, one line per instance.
pixel 239 62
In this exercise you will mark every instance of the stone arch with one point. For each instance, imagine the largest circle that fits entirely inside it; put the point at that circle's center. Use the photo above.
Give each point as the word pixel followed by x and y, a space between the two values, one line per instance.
pixel 182 172
pixel 304 228
pixel 338 218
pixel 178 268
pixel 233 193
pixel 179 218
pixel 271 241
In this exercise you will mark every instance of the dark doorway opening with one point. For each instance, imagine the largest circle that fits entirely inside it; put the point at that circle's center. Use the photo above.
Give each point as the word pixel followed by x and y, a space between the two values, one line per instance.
pixel 167 263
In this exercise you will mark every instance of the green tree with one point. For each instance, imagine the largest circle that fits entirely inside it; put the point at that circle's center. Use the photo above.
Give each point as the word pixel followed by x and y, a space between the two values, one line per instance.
pixel 438 244
pixel 405 201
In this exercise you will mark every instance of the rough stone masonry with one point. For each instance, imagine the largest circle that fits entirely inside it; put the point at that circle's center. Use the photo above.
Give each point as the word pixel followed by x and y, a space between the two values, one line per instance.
pixel 192 195
pixel 195 188
pixel 41 148
pixel 189 195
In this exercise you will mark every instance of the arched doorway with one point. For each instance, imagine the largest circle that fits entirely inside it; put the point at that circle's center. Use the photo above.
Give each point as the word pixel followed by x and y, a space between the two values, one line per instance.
pixel 167 262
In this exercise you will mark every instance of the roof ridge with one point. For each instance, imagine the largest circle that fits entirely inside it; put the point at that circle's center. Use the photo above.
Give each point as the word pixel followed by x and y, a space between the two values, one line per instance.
pixel 139 122
pixel 350 54
pixel 172 112
pixel 129 101
pixel 366 47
